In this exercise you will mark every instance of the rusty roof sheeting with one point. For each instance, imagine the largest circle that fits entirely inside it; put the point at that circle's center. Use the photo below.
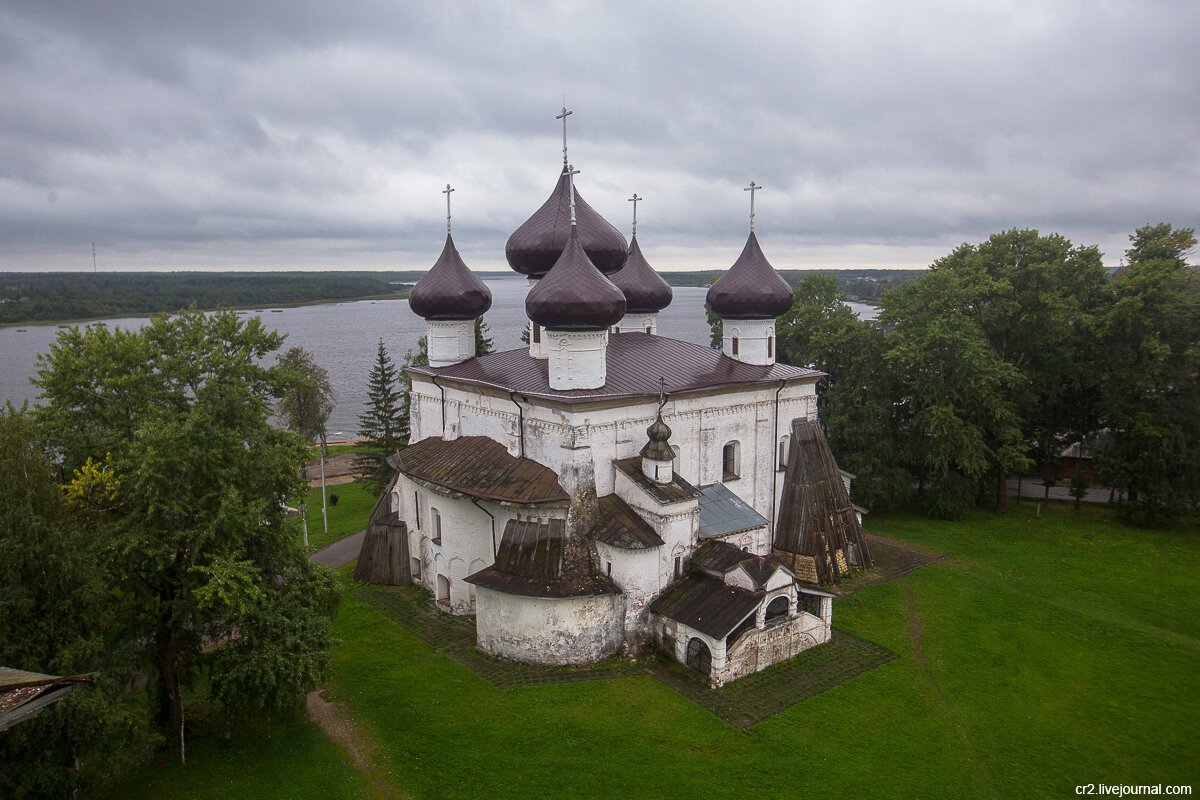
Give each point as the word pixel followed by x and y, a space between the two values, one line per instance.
pixel 635 362
pixel 677 491
pixel 707 604
pixel 481 467
pixel 621 526
pixel 541 559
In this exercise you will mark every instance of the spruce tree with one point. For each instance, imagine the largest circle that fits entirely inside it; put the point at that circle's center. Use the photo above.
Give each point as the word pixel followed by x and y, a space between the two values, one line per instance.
pixel 384 423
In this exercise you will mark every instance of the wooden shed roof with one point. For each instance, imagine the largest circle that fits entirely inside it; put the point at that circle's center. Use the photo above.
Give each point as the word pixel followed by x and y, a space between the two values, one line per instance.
pixel 481 467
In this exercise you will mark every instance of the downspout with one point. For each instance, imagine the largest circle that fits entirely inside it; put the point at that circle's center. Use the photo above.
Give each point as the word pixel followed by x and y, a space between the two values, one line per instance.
pixel 441 389
pixel 495 549
pixel 774 455
pixel 520 424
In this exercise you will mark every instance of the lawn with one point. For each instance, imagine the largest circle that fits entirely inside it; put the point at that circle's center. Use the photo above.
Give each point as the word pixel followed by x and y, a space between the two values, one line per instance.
pixel 1049 653
pixel 349 516
pixel 1053 653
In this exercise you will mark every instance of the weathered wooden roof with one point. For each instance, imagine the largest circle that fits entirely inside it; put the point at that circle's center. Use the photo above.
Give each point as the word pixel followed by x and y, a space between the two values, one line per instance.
pixel 541 559
pixel 23 695
pixel 707 604
pixel 816 518
pixel 718 558
pixel 481 467
pixel 634 364
pixel 677 491
pixel 621 526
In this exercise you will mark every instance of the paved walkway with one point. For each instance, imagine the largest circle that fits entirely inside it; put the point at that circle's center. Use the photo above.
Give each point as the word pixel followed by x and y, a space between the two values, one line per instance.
pixel 341 552
pixel 1032 488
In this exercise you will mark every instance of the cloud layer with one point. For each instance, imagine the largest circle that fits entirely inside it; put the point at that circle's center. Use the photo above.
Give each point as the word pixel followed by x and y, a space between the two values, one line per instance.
pixel 305 135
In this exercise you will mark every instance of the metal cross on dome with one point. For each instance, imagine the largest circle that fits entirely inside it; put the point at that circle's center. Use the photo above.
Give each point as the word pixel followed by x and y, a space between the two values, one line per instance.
pixel 563 116
pixel 662 393
pixel 752 188
pixel 571 173
pixel 447 192
pixel 634 200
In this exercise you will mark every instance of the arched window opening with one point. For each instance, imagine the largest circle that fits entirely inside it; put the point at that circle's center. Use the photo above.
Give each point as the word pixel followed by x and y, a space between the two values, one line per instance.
pixel 770 347
pixel 435 524
pixel 699 657
pixel 733 345
pixel 443 590
pixel 731 461
pixel 783 452
pixel 777 608
pixel 537 333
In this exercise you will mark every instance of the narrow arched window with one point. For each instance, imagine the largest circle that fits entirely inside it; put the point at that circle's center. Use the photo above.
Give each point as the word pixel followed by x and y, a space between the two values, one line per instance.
pixel 537 333
pixel 731 458
pixel 783 452
pixel 733 345
pixel 770 347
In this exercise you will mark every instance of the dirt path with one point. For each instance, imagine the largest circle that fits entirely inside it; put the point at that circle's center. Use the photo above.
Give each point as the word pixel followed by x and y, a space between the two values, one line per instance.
pixel 339 724
pixel 916 629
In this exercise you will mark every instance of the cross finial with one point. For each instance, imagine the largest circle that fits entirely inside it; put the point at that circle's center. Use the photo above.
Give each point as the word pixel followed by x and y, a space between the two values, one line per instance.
pixel 563 116
pixel 634 200
pixel 662 394
pixel 752 188
pixel 571 173
pixel 447 192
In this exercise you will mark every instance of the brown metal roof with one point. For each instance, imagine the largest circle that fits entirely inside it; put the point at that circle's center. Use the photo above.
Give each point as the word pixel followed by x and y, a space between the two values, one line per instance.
pixel 450 290
pixel 574 296
pixel 620 526
pixel 751 288
pixel 533 248
pixel 645 290
pixel 635 362
pixel 541 559
pixel 718 558
pixel 677 491
pixel 707 604
pixel 481 467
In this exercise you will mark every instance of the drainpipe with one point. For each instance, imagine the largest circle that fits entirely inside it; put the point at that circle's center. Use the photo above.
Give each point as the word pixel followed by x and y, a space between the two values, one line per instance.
pixel 520 424
pixel 774 455
pixel 495 549
pixel 441 389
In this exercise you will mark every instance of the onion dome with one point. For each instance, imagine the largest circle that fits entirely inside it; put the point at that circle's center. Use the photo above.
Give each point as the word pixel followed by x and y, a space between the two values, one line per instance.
pixel 751 288
pixel 645 290
pixel 574 296
pixel 450 291
pixel 657 448
pixel 533 248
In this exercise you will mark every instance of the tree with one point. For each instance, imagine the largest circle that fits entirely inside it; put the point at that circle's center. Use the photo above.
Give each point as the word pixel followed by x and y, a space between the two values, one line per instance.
pixel 1151 400
pixel 483 342
pixel 165 432
pixel 56 619
pixel 384 422
pixel 305 407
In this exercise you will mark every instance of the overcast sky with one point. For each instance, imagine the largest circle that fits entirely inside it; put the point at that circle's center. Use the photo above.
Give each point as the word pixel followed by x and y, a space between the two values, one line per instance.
pixel 233 134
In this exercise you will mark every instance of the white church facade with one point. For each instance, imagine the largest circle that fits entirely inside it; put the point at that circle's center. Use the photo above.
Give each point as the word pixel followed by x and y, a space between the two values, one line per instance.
pixel 610 488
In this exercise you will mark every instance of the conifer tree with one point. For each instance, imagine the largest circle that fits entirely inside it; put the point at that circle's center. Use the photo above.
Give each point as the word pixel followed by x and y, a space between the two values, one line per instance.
pixel 384 422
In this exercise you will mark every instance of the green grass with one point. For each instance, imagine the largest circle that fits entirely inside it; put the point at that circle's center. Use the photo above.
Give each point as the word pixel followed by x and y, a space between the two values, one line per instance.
pixel 331 450
pixel 1046 661
pixel 350 515
pixel 272 760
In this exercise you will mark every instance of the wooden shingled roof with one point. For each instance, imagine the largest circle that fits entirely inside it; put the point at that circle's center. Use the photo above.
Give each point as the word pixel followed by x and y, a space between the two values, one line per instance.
pixel 619 525
pixel 481 467
pixel 817 524
pixel 543 559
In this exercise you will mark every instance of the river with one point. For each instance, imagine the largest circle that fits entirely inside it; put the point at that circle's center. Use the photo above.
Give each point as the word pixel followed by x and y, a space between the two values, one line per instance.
pixel 342 338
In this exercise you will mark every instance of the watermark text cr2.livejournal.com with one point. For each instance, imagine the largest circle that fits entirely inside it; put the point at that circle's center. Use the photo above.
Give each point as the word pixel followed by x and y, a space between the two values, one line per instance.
pixel 1124 789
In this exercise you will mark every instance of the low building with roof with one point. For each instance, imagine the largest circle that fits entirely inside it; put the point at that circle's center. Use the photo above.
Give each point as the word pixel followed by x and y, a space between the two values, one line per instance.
pixel 551 490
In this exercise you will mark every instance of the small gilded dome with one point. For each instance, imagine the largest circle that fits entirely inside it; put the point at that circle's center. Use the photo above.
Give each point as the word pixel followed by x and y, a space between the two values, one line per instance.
pixel 574 296
pixel 533 248
pixel 450 291
pixel 751 288
pixel 645 290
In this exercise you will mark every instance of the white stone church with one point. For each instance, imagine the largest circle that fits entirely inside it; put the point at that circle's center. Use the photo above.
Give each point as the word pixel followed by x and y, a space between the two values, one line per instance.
pixel 611 488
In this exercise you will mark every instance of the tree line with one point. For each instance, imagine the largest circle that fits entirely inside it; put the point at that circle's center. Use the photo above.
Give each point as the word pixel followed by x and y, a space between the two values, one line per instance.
pixel 41 297
pixel 145 537
pixel 1000 358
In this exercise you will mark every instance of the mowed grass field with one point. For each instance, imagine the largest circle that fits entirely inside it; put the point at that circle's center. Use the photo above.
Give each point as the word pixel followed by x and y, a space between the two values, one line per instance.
pixel 1050 653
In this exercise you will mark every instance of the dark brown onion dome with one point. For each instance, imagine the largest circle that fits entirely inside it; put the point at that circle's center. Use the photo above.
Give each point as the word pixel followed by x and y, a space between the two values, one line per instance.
pixel 533 248
pixel 450 291
pixel 751 288
pixel 645 290
pixel 657 448
pixel 574 296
